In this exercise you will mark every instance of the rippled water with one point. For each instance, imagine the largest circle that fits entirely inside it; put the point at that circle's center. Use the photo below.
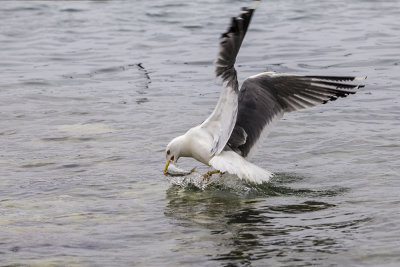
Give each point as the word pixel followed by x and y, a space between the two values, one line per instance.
pixel 91 92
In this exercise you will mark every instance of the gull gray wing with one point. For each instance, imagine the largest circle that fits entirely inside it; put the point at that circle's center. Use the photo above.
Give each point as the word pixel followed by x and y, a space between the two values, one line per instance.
pixel 222 120
pixel 264 98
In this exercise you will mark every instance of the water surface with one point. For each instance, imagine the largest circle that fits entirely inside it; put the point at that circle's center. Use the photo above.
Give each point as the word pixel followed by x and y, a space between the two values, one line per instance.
pixel 91 92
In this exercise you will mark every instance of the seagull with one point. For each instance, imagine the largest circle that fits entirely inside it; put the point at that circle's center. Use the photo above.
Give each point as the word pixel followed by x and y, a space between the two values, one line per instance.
pixel 242 117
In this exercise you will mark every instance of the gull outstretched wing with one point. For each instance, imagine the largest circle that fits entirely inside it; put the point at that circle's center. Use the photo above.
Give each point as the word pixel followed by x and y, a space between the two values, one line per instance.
pixel 222 120
pixel 264 98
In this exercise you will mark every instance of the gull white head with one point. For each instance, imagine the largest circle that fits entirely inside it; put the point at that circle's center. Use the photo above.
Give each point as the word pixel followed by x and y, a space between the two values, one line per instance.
pixel 173 151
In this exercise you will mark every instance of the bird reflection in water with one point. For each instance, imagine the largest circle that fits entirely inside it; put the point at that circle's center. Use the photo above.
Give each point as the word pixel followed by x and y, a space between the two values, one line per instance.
pixel 248 223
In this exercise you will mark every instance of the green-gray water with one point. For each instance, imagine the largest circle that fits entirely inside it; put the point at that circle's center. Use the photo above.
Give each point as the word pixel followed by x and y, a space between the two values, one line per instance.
pixel 91 92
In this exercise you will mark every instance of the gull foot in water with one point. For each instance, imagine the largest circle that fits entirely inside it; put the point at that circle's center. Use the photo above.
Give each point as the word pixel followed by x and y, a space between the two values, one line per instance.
pixel 208 174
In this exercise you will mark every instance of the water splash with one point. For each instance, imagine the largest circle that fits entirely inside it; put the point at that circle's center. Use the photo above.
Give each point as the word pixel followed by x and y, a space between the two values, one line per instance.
pixel 228 185
pixel 193 180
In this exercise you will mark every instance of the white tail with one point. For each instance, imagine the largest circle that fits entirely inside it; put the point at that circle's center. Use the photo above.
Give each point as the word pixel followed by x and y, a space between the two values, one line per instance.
pixel 229 161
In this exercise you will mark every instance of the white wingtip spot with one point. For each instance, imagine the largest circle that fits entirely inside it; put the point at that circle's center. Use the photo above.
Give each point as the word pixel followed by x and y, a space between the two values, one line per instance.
pixel 360 78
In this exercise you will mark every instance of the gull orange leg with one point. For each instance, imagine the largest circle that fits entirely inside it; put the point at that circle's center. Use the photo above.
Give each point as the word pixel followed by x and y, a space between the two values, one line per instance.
pixel 208 174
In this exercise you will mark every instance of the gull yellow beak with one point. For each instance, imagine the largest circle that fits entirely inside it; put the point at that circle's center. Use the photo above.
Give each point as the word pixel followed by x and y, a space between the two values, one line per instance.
pixel 166 167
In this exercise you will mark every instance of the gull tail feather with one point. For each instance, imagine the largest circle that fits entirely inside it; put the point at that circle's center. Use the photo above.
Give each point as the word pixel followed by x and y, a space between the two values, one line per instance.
pixel 229 161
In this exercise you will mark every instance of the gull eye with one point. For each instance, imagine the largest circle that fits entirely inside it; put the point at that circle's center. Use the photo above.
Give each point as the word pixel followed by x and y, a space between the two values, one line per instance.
pixel 168 152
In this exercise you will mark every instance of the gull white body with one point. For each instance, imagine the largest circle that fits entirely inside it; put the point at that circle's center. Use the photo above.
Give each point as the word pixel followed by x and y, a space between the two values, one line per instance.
pixel 196 143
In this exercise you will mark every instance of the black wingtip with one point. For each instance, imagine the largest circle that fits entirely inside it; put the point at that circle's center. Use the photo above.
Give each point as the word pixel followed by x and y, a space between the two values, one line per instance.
pixel 333 78
pixel 231 41
pixel 339 85
pixel 337 78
